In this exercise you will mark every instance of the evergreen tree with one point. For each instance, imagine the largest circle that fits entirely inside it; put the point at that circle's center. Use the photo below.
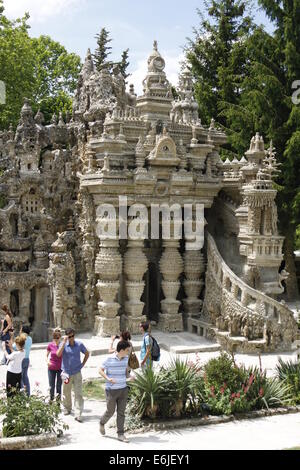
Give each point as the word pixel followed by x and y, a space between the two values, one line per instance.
pixel 124 63
pixel 103 50
pixel 217 55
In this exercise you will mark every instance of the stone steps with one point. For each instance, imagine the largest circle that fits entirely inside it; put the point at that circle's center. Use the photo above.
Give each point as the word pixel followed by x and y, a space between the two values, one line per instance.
pixel 176 343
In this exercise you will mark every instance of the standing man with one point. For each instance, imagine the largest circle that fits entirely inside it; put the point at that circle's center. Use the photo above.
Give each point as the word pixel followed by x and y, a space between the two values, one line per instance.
pixel 147 344
pixel 71 366
pixel 116 390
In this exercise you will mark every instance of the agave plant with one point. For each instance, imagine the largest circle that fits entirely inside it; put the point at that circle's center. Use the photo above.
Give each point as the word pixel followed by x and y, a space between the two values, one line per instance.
pixel 289 373
pixel 275 393
pixel 181 380
pixel 146 392
pixel 284 370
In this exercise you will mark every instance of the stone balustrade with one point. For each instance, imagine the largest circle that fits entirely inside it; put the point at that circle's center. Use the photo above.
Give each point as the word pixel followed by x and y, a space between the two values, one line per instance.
pixel 273 324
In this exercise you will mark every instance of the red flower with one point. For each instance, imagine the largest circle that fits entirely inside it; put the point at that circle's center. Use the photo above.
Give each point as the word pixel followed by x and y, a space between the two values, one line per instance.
pixel 246 389
pixel 233 395
pixel 251 379
pixel 222 389
pixel 261 392
pixel 238 395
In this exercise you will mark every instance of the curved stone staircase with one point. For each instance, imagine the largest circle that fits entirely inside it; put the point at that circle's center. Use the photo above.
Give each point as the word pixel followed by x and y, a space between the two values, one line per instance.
pixel 241 318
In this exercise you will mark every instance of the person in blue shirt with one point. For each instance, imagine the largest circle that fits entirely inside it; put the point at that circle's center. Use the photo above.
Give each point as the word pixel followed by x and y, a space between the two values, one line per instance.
pixel 25 363
pixel 147 343
pixel 115 371
pixel 71 366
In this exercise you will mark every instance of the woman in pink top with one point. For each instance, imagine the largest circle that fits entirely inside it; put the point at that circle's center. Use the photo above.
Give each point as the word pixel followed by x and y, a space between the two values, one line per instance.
pixel 54 365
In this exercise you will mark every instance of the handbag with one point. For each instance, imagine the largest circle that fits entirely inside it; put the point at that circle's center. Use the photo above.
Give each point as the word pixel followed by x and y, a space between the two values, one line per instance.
pixel 133 362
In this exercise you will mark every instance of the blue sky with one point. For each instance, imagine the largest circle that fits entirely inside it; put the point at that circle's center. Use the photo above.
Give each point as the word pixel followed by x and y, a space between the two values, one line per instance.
pixel 132 23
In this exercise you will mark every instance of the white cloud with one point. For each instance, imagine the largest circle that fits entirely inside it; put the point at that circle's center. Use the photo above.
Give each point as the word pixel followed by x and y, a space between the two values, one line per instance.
pixel 39 10
pixel 173 65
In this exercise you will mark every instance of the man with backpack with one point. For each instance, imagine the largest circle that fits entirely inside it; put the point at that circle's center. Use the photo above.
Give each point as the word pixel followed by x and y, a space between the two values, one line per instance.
pixel 150 350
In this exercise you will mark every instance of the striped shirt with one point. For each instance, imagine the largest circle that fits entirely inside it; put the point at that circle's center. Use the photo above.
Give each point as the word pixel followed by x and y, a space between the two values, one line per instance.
pixel 115 368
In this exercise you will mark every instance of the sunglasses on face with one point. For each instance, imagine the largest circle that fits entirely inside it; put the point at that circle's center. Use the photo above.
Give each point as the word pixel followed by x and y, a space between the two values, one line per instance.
pixel 71 336
pixel 57 337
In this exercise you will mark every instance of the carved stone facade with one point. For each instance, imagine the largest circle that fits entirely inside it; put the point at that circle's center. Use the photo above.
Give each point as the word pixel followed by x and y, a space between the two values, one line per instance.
pixel 57 270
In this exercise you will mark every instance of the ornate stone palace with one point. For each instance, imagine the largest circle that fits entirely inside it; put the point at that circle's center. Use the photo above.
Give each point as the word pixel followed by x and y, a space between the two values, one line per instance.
pixel 56 271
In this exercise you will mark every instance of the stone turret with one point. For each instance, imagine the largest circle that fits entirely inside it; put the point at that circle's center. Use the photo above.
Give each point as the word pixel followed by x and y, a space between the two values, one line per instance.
pixel 185 108
pixel 156 102
pixel 26 130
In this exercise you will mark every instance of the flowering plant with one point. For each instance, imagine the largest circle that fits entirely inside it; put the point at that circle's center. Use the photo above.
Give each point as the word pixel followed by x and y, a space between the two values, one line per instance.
pixel 26 416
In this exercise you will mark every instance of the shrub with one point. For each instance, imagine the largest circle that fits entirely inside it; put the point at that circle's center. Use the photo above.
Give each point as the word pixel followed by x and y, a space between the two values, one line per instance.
pixel 27 416
pixel 289 373
pixel 222 370
pixel 221 387
pixel 146 392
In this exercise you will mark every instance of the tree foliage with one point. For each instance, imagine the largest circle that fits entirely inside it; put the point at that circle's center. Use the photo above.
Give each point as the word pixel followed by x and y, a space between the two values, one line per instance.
pixel 217 55
pixel 103 50
pixel 36 68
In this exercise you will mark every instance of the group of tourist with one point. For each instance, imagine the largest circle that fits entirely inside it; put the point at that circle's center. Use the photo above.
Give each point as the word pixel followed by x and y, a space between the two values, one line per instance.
pixel 15 353
pixel 64 364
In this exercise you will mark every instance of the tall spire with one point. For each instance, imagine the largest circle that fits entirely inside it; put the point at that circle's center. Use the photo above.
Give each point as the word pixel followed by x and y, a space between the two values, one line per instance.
pixel 155 104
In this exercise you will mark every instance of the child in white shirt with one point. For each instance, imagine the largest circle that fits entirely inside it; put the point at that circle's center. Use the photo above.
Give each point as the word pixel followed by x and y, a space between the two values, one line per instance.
pixel 14 367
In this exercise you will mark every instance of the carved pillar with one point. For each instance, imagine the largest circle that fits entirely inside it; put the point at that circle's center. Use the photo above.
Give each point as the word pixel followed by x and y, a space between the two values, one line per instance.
pixel 193 269
pixel 24 305
pixel 135 266
pixel 108 266
pixel 254 219
pixel 171 265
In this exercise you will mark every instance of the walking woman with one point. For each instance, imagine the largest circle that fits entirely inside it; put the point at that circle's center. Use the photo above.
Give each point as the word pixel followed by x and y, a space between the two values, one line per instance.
pixel 14 368
pixel 54 365
pixel 7 326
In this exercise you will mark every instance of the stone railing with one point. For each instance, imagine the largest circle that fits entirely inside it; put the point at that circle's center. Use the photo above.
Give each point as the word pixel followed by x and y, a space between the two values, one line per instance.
pixel 236 301
pixel 241 292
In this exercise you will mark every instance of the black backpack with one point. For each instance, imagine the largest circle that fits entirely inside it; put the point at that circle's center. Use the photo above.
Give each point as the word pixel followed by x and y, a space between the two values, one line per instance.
pixel 155 350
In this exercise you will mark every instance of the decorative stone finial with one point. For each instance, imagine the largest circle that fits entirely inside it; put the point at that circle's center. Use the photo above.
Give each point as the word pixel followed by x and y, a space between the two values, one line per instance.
pixel 106 166
pixel 39 118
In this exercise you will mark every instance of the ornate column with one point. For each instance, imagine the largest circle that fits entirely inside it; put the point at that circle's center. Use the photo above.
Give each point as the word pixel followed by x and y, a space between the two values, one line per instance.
pixel 135 266
pixel 194 267
pixel 171 266
pixel 108 266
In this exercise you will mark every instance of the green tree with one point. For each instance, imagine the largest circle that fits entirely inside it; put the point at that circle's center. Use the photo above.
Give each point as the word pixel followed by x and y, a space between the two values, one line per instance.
pixel 37 68
pixel 16 66
pixel 217 55
pixel 124 63
pixel 103 50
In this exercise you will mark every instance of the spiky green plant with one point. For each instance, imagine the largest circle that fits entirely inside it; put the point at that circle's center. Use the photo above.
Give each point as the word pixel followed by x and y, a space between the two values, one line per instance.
pixel 274 393
pixel 289 373
pixel 181 378
pixel 146 392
